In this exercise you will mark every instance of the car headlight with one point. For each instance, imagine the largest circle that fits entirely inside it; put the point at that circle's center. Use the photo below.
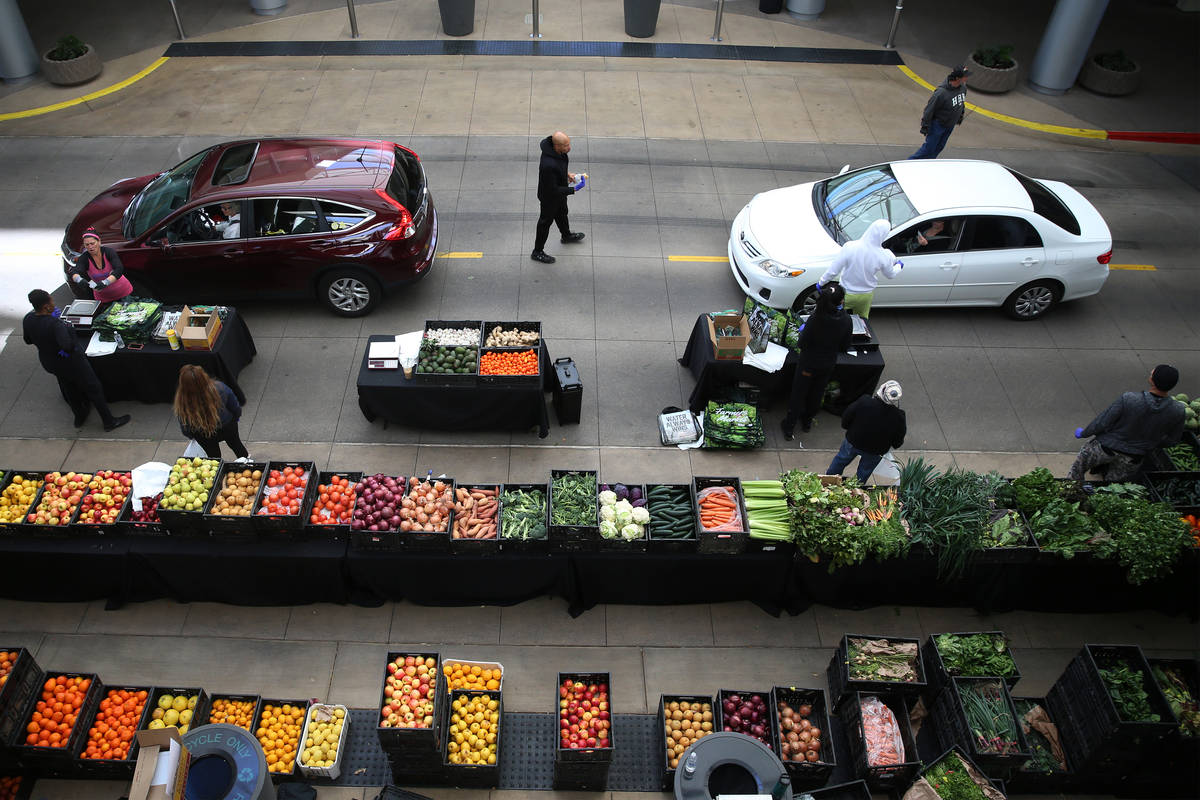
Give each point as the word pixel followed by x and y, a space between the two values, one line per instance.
pixel 776 270
pixel 68 253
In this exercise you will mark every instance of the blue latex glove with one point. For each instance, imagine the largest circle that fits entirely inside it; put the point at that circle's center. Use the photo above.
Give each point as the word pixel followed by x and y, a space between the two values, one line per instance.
pixel 56 312
pixel 64 354
pixel 818 287
pixel 580 182
pixel 1079 433
pixel 899 263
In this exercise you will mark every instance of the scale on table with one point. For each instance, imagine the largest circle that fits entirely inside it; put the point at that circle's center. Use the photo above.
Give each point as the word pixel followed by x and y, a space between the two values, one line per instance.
pixel 384 355
pixel 80 313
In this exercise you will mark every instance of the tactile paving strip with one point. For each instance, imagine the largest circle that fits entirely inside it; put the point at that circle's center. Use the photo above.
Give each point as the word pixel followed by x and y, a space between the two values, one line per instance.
pixel 364 763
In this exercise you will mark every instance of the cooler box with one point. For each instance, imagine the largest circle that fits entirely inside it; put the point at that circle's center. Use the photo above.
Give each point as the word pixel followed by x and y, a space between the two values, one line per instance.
pixel 568 392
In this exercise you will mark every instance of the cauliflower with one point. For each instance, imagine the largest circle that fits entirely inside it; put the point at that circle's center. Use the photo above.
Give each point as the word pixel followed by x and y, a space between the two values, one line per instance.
pixel 631 532
pixel 608 529
pixel 607 498
pixel 640 515
pixel 608 513
pixel 623 506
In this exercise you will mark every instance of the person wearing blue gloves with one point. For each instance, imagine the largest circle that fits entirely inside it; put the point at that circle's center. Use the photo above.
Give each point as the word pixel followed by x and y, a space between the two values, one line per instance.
pixel 858 265
pixel 60 355
pixel 555 185
pixel 1130 428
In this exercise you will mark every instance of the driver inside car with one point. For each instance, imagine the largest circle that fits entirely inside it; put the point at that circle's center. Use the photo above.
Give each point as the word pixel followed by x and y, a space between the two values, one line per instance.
pixel 935 237
pixel 231 226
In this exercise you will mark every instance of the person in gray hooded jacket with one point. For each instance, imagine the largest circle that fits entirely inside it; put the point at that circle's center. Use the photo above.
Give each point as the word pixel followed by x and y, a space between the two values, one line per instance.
pixel 1130 428
pixel 945 109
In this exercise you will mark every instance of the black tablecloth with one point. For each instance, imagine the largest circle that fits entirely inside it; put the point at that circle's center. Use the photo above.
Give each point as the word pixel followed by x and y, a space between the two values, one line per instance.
pixel 857 375
pixel 417 402
pixel 445 579
pixel 62 569
pixel 152 373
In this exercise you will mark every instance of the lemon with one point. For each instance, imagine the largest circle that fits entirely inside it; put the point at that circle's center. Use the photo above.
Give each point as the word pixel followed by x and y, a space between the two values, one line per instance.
pixel 166 701
pixel 180 702
pixel 155 724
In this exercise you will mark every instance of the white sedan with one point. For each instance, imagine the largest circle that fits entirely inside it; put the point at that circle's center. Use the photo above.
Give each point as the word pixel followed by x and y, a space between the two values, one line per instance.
pixel 970 233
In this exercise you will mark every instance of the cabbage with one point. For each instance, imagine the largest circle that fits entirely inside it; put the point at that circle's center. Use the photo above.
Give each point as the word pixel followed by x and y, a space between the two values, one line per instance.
pixel 608 529
pixel 622 491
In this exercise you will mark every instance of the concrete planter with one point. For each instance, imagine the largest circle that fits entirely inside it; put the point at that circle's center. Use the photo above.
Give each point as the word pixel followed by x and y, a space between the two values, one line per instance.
pixel 72 71
pixel 989 79
pixel 1102 80
pixel 268 8
pixel 806 9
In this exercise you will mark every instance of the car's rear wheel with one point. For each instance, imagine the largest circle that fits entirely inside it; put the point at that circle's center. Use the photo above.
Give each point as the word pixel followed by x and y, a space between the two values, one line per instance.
pixel 806 302
pixel 1033 300
pixel 349 292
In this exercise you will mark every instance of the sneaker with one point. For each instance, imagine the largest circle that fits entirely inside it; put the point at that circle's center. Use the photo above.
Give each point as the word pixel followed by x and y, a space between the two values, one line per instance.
pixel 788 433
pixel 117 422
pixel 246 459
pixel 572 238
pixel 540 255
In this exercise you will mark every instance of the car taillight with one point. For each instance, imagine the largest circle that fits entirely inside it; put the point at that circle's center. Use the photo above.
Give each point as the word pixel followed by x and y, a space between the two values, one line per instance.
pixel 1104 258
pixel 404 228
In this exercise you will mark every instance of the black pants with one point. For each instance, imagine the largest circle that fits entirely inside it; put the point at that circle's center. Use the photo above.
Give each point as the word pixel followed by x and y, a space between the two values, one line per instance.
pixel 80 386
pixel 552 211
pixel 808 391
pixel 228 435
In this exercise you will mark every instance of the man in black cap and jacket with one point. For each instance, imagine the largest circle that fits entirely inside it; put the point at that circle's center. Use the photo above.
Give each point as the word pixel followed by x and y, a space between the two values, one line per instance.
pixel 945 109
pixel 555 184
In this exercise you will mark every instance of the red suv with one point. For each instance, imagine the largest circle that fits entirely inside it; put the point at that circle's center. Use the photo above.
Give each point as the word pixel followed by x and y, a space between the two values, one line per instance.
pixel 339 219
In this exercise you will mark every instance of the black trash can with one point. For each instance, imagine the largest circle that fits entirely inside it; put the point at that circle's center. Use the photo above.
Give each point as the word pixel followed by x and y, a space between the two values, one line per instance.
pixel 568 391
pixel 458 16
pixel 770 6
pixel 641 17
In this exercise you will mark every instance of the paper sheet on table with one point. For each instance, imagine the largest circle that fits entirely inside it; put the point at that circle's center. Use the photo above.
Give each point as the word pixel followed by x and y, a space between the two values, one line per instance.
pixel 770 360
pixel 98 348
pixel 410 346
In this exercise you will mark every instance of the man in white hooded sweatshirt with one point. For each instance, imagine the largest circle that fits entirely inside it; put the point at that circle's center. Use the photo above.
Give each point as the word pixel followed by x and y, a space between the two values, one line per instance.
pixel 859 262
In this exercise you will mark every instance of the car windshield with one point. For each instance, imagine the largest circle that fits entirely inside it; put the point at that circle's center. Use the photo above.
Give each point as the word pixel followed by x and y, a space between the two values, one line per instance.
pixel 161 196
pixel 849 203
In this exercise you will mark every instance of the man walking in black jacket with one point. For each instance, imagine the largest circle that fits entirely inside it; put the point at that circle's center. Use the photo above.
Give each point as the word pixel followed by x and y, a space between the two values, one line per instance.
pixel 873 426
pixel 555 184
pixel 944 110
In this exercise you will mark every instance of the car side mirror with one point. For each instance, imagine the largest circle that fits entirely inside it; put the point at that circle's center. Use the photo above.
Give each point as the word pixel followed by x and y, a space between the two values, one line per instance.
pixel 845 168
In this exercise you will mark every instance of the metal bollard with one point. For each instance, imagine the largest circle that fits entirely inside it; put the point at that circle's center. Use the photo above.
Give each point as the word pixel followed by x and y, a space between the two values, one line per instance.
pixel 353 19
pixel 716 37
pixel 536 34
pixel 178 24
pixel 891 42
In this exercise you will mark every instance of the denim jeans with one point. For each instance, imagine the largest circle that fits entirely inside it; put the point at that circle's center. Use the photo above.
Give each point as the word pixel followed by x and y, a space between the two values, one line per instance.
pixel 935 141
pixel 866 464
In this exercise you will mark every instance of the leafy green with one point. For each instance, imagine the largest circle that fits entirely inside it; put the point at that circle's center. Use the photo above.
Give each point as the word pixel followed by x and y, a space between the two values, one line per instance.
pixel 1147 537
pixel 523 514
pixel 1127 689
pixel 1035 490
pixel 573 499
pixel 950 779
pixel 1042 758
pixel 947 512
pixel 823 529
pixel 1006 529
pixel 1061 527
pixel 1179 694
pixel 975 655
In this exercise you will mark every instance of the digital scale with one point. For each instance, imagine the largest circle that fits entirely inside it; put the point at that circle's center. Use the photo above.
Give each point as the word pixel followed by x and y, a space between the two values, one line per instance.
pixel 384 355
pixel 79 313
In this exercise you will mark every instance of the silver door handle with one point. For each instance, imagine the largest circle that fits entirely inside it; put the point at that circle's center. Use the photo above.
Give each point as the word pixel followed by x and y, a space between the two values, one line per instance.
pixel 948 266
pixel 1029 262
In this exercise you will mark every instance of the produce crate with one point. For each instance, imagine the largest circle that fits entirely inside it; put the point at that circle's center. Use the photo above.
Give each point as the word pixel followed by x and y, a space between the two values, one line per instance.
pixel 669 545
pixel 473 546
pixel 957 751
pixel 771 722
pixel 414 742
pixel 337 532
pixel 581 777
pixel 96 529
pixel 1025 780
pixel 809 774
pixel 1178 757
pixel 531 327
pixel 57 761
pixel 952 727
pixel 887 777
pixel 376 540
pixel 22 784
pixel 524 545
pixel 111 768
pixel 1158 481
pixel 852 790
pixel 128 526
pixel 1097 740
pixel 25 679
pixel 936 674
pixel 212 701
pixel 425 541
pixel 841 685
pixel 620 545
pixel 450 378
pixel 724 542
pixel 294 773
pixel 664 758
pixel 431 324
pixel 199 711
pixel 289 527
pixel 225 526
pixel 473 776
pixel 511 380
pixel 573 538
pixel 590 756
pixel 492 665
pixel 34 531
pixel 20 526
pixel 1160 461
pixel 1023 554
pixel 192 524
pixel 328 773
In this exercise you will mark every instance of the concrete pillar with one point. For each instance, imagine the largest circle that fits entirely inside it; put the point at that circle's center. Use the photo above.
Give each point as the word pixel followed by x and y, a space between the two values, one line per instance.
pixel 1065 44
pixel 18 59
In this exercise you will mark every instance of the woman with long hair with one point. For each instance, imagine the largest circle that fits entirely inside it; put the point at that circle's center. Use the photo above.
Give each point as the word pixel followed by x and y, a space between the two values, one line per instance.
pixel 208 412
pixel 825 334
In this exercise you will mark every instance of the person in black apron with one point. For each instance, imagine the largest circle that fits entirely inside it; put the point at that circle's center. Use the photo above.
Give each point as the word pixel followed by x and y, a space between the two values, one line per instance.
pixel 60 354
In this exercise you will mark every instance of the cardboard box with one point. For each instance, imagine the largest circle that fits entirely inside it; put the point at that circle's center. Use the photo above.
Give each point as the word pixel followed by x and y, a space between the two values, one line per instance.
pixel 198 331
pixel 162 766
pixel 729 348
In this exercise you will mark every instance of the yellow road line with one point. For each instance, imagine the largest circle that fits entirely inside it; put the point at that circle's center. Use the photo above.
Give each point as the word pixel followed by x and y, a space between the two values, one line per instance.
pixel 116 87
pixel 460 255
pixel 710 259
pixel 1135 267
pixel 1062 130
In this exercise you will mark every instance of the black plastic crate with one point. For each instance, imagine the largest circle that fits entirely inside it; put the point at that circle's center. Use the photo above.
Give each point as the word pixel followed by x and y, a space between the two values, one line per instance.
pixel 952 728
pixel 468 378
pixel 1159 480
pixel 255 699
pixel 377 540
pixel 671 545
pixel 528 327
pixel 581 777
pixel 807 774
pixel 25 678
pixel 664 758
pixel 1189 670
pixel 851 790
pixel 228 525
pixel 473 776
pixel 112 768
pixel 541 545
pixel 430 541
pixel 338 532
pixel 128 526
pixel 1025 779
pixel 289 527
pixel 1162 462
pixel 57 761
pixel 18 524
pixel 404 741
pixel 22 785
pixel 477 546
pixel 880 778
pixel 477 324
pixel 1016 554
pixel 82 527
pixel 531 379
pixel 199 711
pixel 621 545
pixel 966 759
pixel 724 542
pixel 191 524
pixel 590 756
pixel 294 773
pixel 936 674
pixel 841 685
pixel 573 538
pixel 784 549
pixel 771 723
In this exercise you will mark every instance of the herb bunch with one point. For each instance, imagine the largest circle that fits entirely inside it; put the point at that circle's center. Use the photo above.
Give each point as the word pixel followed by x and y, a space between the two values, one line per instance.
pixel 1147 537
pixel 1128 692
pixel 989 717
pixel 950 779
pixel 976 655
pixel 947 512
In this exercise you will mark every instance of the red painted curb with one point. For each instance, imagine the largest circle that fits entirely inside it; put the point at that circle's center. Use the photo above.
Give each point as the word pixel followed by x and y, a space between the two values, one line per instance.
pixel 1172 137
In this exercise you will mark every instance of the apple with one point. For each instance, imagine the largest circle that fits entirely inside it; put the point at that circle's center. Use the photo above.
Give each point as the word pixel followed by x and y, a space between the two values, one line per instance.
pixel 410 684
pixel 583 715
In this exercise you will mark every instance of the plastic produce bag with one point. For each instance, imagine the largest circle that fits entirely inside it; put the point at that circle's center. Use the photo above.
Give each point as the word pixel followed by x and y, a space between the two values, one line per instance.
pixel 885 745
pixel 194 450
pixel 148 480
pixel 887 472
